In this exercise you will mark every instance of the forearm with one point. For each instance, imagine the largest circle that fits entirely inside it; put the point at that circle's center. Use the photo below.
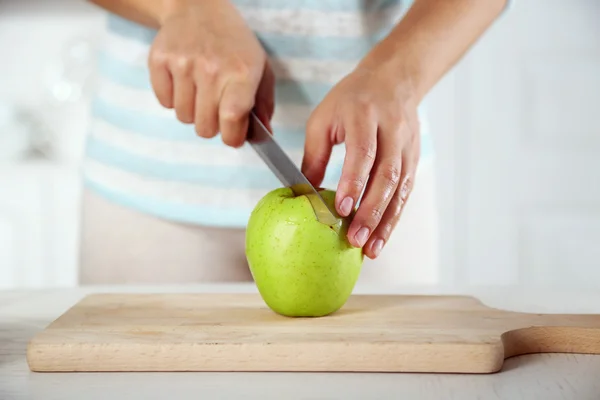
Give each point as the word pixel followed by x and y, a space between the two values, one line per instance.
pixel 432 37
pixel 150 13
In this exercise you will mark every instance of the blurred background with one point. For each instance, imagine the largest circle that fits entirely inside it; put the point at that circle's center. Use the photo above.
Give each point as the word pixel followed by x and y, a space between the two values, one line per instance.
pixel 516 126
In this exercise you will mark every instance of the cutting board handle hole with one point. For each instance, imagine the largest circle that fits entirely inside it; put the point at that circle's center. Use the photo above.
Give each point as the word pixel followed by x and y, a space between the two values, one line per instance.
pixel 558 339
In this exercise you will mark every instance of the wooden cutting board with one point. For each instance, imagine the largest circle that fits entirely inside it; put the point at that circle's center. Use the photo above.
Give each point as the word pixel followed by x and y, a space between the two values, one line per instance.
pixel 237 332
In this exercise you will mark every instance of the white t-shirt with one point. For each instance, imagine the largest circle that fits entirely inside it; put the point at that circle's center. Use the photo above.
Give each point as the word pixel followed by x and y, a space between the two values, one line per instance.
pixel 139 155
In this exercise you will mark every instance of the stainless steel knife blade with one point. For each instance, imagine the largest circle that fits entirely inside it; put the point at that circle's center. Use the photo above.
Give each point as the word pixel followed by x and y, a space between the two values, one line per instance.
pixel 263 142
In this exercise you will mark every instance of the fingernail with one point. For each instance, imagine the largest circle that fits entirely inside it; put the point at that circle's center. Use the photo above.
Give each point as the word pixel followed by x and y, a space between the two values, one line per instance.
pixel 346 206
pixel 361 236
pixel 377 246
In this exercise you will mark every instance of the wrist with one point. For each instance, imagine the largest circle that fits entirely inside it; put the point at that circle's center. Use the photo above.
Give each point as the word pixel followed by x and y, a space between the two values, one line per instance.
pixel 399 70
pixel 171 8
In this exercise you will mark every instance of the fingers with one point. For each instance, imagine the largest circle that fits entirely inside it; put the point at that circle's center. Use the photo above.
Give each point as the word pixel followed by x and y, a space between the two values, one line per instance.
pixel 265 103
pixel 393 212
pixel 206 117
pixel 215 90
pixel 184 90
pixel 161 80
pixel 317 147
pixel 383 183
pixel 197 100
pixel 236 102
pixel 361 148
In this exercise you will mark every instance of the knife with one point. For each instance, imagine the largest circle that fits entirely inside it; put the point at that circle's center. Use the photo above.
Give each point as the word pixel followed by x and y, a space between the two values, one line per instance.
pixel 263 142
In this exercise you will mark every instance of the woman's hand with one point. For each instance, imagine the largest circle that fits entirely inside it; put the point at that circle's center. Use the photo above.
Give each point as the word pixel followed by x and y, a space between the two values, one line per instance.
pixel 208 65
pixel 374 112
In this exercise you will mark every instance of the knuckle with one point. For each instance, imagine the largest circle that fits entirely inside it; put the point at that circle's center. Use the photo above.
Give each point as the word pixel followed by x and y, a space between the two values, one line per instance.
pixel 406 187
pixel 355 184
pixel 366 106
pixel 363 100
pixel 396 118
pixel 388 227
pixel 396 205
pixel 158 57
pixel 241 71
pixel 370 111
pixel 374 216
pixel 235 113
pixel 366 150
pixel 210 67
pixel 182 65
pixel 391 174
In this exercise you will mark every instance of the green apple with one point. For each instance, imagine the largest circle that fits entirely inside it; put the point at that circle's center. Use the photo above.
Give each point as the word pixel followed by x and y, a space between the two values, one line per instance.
pixel 302 267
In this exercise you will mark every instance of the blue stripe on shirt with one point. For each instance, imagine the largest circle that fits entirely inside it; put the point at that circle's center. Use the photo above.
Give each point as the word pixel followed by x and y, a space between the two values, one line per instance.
pixel 319 47
pixel 222 176
pixel 179 212
pixel 124 73
pixel 166 128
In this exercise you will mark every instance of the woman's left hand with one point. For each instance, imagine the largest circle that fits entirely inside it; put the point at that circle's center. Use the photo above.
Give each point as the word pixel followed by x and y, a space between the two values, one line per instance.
pixel 373 110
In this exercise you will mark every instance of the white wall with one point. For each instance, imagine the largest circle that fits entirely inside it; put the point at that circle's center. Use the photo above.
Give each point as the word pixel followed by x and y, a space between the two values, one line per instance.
pixel 39 193
pixel 528 138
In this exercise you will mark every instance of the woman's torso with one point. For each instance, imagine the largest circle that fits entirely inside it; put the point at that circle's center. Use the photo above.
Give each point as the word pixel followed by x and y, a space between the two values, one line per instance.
pixel 139 155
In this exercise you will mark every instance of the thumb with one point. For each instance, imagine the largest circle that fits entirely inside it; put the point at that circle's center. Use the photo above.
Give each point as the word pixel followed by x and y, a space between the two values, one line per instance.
pixel 317 149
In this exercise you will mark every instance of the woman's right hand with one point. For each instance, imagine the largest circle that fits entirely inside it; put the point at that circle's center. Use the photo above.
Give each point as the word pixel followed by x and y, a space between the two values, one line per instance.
pixel 208 65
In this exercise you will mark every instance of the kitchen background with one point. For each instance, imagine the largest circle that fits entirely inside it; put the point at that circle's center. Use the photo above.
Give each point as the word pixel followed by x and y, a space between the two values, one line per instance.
pixel 516 123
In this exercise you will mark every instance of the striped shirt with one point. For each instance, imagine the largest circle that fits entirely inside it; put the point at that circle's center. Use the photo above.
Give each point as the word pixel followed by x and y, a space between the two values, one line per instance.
pixel 139 155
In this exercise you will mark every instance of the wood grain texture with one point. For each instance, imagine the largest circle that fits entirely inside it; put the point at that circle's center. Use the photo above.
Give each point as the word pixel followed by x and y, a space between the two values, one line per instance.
pixel 237 332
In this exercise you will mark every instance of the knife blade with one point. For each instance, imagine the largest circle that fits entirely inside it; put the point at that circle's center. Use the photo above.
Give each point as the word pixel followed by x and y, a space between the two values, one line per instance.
pixel 265 145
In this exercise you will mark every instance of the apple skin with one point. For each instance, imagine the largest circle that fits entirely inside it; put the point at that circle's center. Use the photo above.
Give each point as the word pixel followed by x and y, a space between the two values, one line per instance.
pixel 302 267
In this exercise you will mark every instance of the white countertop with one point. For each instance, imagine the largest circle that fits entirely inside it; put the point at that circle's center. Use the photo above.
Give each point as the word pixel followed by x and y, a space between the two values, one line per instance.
pixel 544 376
